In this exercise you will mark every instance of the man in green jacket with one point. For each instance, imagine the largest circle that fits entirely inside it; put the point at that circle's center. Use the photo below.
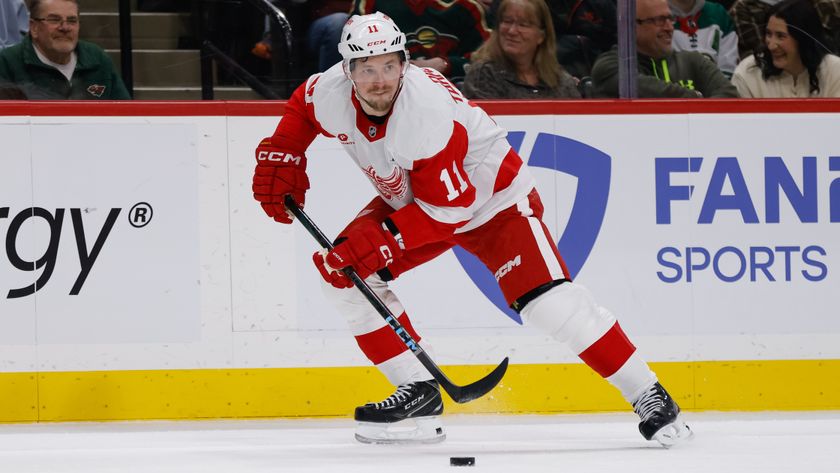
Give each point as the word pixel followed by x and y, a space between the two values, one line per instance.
pixel 51 63
pixel 663 72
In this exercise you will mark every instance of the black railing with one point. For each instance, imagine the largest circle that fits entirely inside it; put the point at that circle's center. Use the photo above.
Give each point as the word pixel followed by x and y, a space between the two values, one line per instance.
pixel 208 50
pixel 278 83
pixel 279 26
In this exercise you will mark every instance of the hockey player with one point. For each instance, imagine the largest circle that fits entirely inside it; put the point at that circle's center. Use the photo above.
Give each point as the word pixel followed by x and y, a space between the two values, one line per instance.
pixel 445 175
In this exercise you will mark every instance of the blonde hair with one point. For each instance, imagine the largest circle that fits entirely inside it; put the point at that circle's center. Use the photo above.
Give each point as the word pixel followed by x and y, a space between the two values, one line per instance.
pixel 545 58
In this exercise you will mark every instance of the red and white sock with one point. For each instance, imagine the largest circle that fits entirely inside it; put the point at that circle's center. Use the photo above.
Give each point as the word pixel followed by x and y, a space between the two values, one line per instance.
pixel 569 313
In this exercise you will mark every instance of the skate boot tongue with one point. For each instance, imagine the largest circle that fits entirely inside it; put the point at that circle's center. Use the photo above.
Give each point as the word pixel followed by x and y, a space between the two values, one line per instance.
pixel 410 415
pixel 402 393
pixel 660 417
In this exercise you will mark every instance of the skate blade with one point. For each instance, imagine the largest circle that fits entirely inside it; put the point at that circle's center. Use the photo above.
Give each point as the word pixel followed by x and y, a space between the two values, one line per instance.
pixel 423 430
pixel 673 433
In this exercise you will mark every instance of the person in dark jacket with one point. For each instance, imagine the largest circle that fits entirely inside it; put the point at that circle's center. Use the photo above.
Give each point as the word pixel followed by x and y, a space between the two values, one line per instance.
pixel 440 35
pixel 585 29
pixel 51 63
pixel 663 72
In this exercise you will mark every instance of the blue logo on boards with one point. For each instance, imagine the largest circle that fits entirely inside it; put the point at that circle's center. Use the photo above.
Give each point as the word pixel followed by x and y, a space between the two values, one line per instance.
pixel 791 183
pixel 592 169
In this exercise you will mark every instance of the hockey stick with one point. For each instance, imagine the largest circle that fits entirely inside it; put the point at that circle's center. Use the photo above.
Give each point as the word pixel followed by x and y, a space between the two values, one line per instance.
pixel 459 394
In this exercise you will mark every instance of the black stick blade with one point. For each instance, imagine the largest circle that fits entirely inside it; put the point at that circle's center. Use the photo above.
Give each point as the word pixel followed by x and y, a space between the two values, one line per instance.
pixel 462 394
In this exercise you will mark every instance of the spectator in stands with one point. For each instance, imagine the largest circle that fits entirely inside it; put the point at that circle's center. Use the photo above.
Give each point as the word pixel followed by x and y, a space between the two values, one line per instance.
pixel 519 60
pixel 325 31
pixel 705 27
pixel 663 72
pixel 794 61
pixel 439 35
pixel 14 22
pixel 749 16
pixel 51 62
pixel 585 29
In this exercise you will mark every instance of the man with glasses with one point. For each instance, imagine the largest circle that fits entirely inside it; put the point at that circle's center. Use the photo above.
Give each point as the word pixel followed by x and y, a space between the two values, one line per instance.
pixel 663 72
pixel 52 63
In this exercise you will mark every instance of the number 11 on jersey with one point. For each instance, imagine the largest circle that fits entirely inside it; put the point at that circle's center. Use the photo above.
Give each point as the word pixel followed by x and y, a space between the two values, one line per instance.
pixel 446 178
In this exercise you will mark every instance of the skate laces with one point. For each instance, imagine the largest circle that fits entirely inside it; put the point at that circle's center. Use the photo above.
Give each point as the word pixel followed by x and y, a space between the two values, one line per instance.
pixel 650 401
pixel 402 393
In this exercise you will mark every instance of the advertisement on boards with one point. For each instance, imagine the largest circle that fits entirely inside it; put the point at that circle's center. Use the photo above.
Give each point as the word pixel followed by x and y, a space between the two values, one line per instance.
pixel 100 225
pixel 714 228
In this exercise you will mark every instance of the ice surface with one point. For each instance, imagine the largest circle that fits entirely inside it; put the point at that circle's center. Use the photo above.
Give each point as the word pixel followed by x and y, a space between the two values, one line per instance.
pixel 723 442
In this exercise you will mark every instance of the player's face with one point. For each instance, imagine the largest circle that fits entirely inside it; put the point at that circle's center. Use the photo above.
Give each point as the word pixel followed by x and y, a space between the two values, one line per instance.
pixel 654 28
pixel 56 29
pixel 783 47
pixel 377 80
pixel 520 33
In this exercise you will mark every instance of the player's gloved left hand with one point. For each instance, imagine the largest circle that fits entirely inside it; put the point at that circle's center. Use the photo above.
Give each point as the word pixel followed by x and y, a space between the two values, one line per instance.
pixel 333 276
pixel 368 248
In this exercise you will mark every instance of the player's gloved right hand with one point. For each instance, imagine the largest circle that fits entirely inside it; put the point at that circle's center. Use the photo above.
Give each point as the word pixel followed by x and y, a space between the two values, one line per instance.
pixel 335 277
pixel 368 248
pixel 279 172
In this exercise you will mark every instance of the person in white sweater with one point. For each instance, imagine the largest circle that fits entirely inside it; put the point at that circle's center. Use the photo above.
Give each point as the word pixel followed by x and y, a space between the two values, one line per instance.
pixel 794 61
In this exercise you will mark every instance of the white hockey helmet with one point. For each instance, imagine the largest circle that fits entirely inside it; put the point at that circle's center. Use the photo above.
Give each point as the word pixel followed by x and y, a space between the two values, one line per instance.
pixel 370 35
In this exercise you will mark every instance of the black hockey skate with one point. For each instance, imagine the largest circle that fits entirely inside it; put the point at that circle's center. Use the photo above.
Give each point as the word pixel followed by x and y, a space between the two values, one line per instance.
pixel 410 415
pixel 660 417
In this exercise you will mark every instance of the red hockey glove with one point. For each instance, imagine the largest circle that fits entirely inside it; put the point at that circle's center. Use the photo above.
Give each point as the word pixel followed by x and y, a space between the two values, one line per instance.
pixel 333 276
pixel 368 248
pixel 279 172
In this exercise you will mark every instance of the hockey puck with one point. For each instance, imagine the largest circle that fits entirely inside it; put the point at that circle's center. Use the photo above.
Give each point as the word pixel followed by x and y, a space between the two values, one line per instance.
pixel 461 461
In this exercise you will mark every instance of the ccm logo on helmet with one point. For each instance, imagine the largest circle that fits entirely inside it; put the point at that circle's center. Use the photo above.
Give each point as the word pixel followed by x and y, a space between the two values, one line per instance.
pixel 375 43
pixel 278 156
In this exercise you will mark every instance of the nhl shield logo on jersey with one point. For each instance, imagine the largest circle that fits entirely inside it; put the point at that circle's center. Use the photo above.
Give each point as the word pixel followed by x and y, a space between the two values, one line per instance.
pixel 372 131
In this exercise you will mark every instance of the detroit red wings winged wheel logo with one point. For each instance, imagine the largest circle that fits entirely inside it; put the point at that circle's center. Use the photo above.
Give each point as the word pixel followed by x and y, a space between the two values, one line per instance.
pixel 393 186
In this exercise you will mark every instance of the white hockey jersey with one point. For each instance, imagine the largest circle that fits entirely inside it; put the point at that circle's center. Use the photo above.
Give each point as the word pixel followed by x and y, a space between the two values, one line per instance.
pixel 435 152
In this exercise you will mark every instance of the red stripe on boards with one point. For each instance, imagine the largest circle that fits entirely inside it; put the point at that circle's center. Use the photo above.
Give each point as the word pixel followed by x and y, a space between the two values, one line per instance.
pixel 276 108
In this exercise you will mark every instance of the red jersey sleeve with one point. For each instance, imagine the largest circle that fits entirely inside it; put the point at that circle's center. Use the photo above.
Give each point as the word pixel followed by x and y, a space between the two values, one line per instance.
pixel 298 127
